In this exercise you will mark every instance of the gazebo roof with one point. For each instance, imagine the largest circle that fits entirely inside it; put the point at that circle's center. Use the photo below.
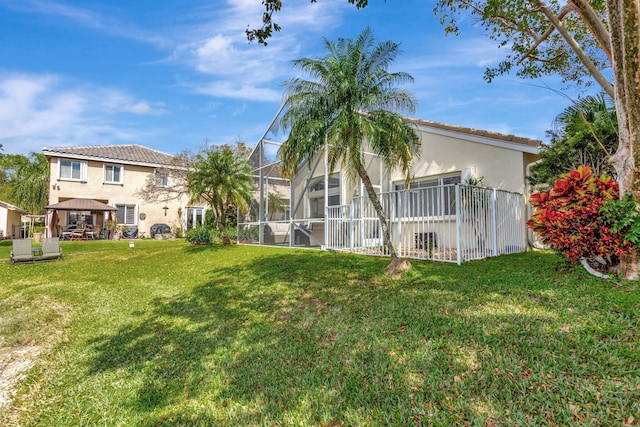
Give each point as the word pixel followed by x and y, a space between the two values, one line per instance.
pixel 81 205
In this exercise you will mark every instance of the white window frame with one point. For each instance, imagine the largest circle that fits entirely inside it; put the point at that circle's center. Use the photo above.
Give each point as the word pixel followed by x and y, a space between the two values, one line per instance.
pixel 316 196
pixel 127 207
pixel 112 166
pixel 82 166
pixel 443 204
pixel 163 176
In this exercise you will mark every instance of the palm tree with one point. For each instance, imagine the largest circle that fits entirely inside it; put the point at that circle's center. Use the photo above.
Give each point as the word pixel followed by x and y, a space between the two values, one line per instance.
pixel 223 178
pixel 353 100
pixel 583 134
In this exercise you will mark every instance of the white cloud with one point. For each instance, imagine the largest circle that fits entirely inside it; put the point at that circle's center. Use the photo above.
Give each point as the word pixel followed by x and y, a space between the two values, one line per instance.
pixel 239 90
pixel 468 53
pixel 103 22
pixel 144 108
pixel 234 68
pixel 46 110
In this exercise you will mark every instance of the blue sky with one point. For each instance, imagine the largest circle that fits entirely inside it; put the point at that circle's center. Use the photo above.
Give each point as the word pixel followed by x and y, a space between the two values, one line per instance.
pixel 176 75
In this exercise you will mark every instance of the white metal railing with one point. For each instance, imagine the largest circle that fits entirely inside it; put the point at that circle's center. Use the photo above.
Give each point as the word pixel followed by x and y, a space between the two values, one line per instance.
pixel 451 223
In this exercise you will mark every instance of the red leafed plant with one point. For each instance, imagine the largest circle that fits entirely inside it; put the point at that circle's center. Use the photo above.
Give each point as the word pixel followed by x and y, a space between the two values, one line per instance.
pixel 568 217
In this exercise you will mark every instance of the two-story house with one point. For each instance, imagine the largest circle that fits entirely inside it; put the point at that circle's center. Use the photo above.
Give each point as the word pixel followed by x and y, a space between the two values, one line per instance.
pixel 141 186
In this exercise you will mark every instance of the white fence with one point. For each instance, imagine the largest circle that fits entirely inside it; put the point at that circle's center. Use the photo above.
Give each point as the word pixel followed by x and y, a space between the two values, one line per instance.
pixel 451 223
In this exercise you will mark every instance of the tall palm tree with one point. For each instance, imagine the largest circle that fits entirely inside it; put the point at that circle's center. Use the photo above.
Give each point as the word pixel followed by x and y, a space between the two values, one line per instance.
pixel 352 100
pixel 223 178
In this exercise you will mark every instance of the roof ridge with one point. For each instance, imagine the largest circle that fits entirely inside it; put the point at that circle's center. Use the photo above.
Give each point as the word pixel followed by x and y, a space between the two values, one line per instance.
pixel 479 132
pixel 135 153
pixel 107 146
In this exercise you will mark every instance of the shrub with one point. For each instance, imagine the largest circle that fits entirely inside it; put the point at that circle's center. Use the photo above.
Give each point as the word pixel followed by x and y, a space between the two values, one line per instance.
pixel 232 232
pixel 217 237
pixel 568 217
pixel 623 216
pixel 209 219
pixel 199 236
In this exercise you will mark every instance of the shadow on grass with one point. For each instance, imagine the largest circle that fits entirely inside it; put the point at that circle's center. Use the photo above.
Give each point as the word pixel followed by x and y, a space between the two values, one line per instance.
pixel 317 338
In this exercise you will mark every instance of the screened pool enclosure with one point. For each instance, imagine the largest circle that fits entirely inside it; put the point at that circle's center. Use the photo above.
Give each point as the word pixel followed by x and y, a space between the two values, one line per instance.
pixel 440 219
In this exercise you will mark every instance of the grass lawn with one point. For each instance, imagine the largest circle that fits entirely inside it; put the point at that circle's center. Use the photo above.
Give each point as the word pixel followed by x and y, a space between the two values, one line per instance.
pixel 165 334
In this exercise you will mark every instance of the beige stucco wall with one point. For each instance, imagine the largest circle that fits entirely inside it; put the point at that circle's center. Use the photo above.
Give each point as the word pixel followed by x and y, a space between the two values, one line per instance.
pixel 499 166
pixel 9 222
pixel 134 178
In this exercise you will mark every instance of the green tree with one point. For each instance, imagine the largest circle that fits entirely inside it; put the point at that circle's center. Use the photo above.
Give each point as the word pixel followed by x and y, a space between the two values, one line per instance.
pixel 25 181
pixel 223 178
pixel 351 100
pixel 584 134
pixel 577 39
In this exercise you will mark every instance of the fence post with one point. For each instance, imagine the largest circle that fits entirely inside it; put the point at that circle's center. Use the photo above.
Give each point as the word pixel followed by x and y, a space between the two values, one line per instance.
pixel 494 220
pixel 326 223
pixel 458 225
pixel 398 218
pixel 351 226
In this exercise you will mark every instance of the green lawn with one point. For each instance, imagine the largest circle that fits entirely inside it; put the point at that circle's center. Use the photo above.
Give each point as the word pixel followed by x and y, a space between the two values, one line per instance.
pixel 165 334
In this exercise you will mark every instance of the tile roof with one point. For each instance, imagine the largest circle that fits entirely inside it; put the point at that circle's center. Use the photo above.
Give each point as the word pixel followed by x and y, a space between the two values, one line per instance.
pixel 122 153
pixel 476 132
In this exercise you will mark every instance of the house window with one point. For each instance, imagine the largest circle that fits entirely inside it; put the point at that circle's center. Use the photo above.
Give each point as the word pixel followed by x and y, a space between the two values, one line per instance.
pixel 73 170
pixel 195 217
pixel 162 179
pixel 80 217
pixel 428 197
pixel 316 195
pixel 334 182
pixel 113 174
pixel 126 214
pixel 316 205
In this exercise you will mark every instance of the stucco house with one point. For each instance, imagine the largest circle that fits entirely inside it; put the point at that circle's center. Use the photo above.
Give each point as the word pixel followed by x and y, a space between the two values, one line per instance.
pixel 123 182
pixel 466 198
pixel 10 220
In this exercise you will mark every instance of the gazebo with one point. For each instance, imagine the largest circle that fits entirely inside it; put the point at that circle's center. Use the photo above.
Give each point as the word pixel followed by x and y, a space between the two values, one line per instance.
pixel 94 206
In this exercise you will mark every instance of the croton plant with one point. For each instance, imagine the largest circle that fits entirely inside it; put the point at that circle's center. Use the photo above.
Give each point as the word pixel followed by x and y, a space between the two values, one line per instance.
pixel 569 220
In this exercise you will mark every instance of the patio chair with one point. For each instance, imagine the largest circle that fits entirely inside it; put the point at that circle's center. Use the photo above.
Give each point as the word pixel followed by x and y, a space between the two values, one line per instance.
pixel 94 233
pixel 21 250
pixel 50 249
pixel 78 233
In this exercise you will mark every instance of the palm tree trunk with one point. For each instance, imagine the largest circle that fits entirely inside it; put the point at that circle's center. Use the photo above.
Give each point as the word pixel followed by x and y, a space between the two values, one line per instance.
pixel 396 266
pixel 375 201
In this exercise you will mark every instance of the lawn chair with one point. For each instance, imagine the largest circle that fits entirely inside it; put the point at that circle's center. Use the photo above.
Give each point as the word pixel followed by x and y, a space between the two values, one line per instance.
pixel 21 250
pixel 78 233
pixel 95 233
pixel 51 249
